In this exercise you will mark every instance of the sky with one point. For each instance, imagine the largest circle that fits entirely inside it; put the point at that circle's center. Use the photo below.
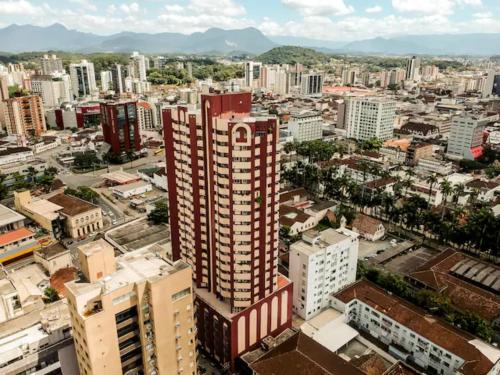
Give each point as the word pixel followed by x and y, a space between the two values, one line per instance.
pixel 334 20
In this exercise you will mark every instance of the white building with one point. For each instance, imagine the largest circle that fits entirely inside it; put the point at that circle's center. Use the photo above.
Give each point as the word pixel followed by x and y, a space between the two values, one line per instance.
pixel 466 136
pixel 413 69
pixel 129 190
pixel 431 165
pixel 138 67
pixel 489 83
pixel 146 116
pixel 53 89
pixel 413 336
pixel 15 155
pixel 311 84
pixel 320 264
pixel 370 117
pixel 51 64
pixel 83 79
pixel 118 79
pixel 106 80
pixel 306 126
pixel 252 74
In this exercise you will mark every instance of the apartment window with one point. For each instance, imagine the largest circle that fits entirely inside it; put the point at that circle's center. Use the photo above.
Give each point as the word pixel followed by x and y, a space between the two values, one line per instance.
pixel 181 294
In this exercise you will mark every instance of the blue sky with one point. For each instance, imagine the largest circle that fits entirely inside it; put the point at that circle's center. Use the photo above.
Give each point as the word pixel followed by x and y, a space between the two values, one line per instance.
pixel 339 20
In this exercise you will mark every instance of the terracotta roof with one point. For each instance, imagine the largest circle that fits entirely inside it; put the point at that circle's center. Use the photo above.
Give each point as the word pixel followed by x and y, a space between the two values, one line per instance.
pixel 290 194
pixel 290 215
pixel 366 224
pixel 370 364
pixel 415 319
pixel 375 184
pixel 61 277
pixel 15 235
pixel 436 275
pixel 482 185
pixel 71 205
pixel 301 355
pixel 401 368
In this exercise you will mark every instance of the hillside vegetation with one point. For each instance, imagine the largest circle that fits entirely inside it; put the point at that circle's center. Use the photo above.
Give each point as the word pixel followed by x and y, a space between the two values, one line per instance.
pixel 293 55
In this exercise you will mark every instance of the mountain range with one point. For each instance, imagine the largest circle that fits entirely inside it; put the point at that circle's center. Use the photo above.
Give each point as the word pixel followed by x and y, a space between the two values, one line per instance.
pixel 24 38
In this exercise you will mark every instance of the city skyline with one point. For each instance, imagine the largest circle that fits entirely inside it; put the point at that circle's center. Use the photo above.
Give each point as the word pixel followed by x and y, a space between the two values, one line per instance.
pixel 339 20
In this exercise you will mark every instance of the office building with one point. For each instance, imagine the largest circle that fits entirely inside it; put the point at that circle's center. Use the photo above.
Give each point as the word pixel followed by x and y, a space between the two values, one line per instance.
pixel 370 117
pixel 51 64
pixel 311 84
pixel 118 78
pixel 306 126
pixel 83 79
pixel 223 182
pixel 413 336
pixel 138 66
pixel 120 126
pixel 24 116
pixel 467 136
pixel 252 74
pixel 53 89
pixel 132 314
pixel 106 80
pixel 413 68
pixel 320 264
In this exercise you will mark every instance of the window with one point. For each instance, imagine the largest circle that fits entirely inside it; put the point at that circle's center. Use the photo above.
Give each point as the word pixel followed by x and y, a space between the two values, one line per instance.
pixel 181 294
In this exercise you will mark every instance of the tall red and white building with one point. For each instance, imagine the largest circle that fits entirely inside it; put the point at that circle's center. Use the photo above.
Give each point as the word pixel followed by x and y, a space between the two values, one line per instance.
pixel 223 180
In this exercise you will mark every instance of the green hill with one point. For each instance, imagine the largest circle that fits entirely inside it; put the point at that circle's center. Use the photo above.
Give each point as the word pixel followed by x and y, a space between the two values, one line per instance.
pixel 292 55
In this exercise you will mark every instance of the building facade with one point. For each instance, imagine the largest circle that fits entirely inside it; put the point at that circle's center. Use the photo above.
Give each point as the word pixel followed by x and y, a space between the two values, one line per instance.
pixel 306 126
pixel 370 117
pixel 132 314
pixel 321 264
pixel 51 64
pixel 223 181
pixel 121 127
pixel 311 84
pixel 83 79
pixel 24 116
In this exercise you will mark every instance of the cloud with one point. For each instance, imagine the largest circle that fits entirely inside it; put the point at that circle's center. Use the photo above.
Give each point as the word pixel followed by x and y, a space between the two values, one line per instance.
pixel 432 6
pixel 374 9
pixel 320 7
pixel 17 7
pixel 129 8
pixel 85 4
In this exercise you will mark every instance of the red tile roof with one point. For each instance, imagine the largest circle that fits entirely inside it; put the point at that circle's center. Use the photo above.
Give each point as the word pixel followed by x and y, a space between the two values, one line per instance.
pixel 15 235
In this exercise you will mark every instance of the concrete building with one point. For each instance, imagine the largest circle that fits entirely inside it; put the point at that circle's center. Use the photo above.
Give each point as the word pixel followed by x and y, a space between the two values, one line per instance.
pixel 348 76
pixel 106 80
pixel 466 136
pixel 223 180
pixel 10 220
pixel 118 78
pixel 146 116
pixel 413 68
pixel 60 214
pixel 83 79
pixel 132 314
pixel 417 151
pixel 252 74
pixel 24 116
pixel 489 84
pixel 53 89
pixel 38 342
pixel 16 155
pixel 311 84
pixel 413 336
pixel 306 126
pixel 130 190
pixel 53 257
pixel 370 117
pixel 51 64
pixel 321 263
pixel 120 126
pixel 137 66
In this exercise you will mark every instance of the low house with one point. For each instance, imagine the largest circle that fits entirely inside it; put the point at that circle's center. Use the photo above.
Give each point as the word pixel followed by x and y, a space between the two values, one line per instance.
pixel 53 257
pixel 130 190
pixel 368 227
pixel 297 220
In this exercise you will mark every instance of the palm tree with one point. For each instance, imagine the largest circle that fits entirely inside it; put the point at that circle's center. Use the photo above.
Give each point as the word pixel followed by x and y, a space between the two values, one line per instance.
pixel 31 174
pixel 431 180
pixel 446 190
pixel 458 191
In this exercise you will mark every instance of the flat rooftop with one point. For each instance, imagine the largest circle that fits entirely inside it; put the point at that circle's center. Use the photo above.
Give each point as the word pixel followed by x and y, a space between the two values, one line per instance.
pixel 8 216
pixel 43 208
pixel 131 186
pixel 131 268
pixel 51 251
pixel 324 239
pixel 121 177
pixel 138 234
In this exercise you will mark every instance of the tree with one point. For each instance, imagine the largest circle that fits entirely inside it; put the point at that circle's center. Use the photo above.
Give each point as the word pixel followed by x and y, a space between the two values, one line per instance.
pixel 50 295
pixel 4 191
pixel 159 214
pixel 83 192
pixel 86 160
pixel 446 190
pixel 32 174
pixel 431 180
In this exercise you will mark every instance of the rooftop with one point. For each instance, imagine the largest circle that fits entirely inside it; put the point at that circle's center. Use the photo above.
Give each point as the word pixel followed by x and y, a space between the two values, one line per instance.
pixel 121 177
pixel 302 355
pixel 51 251
pixel 8 216
pixel 478 360
pixel 320 241
pixel 15 235
pixel 138 235
pixel 14 150
pixel 71 205
pixel 131 186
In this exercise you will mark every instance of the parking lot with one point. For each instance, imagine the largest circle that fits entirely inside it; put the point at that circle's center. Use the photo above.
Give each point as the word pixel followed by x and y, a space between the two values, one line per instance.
pixel 370 249
pixel 409 262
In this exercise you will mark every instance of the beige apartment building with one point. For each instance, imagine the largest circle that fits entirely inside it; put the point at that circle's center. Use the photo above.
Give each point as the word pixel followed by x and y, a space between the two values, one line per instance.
pixel 24 116
pixel 132 314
